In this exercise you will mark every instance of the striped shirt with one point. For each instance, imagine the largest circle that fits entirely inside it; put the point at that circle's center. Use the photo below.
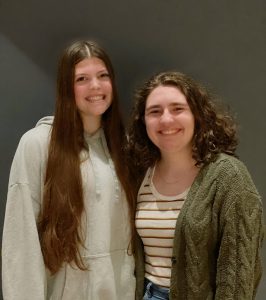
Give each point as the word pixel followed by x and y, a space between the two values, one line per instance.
pixel 156 217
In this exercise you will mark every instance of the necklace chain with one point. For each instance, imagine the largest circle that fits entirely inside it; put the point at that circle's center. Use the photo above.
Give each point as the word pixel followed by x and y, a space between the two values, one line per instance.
pixel 168 182
pixel 164 180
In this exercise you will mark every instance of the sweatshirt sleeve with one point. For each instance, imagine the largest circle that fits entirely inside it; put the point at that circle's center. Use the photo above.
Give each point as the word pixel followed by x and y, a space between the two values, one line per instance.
pixel 23 270
pixel 239 263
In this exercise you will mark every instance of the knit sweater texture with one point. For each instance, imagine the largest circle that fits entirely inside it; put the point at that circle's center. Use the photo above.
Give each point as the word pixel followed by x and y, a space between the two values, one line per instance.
pixel 218 237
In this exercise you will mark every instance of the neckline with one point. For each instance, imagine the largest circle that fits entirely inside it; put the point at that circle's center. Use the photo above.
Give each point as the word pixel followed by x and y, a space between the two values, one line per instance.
pixel 93 137
pixel 162 196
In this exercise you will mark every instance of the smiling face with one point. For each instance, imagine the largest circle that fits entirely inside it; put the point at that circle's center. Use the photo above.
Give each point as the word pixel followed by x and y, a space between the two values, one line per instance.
pixel 93 91
pixel 169 120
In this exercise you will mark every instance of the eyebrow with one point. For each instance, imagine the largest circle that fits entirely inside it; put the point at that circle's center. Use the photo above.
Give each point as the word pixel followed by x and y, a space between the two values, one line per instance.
pixel 171 105
pixel 152 107
pixel 80 74
pixel 84 73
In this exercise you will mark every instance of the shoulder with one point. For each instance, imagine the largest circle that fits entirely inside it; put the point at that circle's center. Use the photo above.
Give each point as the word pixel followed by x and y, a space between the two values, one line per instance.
pixel 31 153
pixel 146 181
pixel 225 161
pixel 233 180
pixel 240 195
pixel 227 185
pixel 39 133
pixel 36 138
pixel 147 176
pixel 227 177
pixel 228 169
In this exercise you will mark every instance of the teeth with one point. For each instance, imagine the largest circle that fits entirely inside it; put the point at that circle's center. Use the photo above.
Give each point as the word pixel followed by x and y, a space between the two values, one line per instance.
pixel 94 98
pixel 169 131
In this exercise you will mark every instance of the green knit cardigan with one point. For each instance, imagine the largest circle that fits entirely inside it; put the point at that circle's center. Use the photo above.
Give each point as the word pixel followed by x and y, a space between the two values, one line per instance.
pixel 218 237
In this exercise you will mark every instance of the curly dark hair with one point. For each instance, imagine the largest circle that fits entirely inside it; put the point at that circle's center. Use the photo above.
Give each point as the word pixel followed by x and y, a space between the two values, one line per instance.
pixel 215 128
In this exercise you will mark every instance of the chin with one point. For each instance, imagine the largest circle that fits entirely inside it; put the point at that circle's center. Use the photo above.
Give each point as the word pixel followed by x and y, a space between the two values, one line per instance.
pixel 99 112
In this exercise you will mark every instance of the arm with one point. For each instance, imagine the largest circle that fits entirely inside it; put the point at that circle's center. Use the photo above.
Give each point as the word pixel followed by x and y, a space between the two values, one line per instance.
pixel 24 275
pixel 239 263
pixel 139 266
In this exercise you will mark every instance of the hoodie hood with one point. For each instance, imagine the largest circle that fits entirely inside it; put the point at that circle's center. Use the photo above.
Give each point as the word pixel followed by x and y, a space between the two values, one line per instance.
pixel 45 120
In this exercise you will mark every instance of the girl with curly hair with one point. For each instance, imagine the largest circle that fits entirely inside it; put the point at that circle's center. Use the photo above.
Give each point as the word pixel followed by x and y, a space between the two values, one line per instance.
pixel 198 213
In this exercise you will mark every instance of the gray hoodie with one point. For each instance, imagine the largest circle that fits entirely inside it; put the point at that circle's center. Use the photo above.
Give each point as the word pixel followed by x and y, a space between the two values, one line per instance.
pixel 105 225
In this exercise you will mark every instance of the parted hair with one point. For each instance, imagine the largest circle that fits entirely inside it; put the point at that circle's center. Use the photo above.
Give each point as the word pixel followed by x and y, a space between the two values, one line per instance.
pixel 59 221
pixel 215 128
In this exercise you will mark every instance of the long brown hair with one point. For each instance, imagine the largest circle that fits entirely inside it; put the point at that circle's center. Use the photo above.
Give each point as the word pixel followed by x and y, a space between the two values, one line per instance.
pixel 59 222
pixel 215 128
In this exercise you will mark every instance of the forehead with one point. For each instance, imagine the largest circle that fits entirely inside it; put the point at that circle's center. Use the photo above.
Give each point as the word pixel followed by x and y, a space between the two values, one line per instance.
pixel 165 95
pixel 90 64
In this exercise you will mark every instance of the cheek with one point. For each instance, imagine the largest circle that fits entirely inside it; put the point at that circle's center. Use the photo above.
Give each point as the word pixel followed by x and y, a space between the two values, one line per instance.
pixel 77 93
pixel 79 97
pixel 108 87
pixel 189 121
pixel 150 129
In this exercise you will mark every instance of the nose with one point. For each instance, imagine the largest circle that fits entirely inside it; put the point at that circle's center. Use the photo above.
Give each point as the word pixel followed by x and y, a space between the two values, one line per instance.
pixel 94 84
pixel 166 117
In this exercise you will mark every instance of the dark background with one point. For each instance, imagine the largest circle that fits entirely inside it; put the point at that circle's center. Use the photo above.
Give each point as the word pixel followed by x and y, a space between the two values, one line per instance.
pixel 220 43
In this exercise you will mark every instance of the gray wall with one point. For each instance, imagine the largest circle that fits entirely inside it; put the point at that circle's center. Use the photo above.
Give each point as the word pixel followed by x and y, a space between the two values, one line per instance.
pixel 221 43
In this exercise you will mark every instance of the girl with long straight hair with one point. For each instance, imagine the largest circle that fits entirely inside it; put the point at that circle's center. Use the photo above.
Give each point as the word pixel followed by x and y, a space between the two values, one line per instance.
pixel 67 225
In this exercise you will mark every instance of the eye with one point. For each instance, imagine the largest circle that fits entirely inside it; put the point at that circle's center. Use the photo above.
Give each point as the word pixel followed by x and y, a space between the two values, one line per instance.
pixel 177 109
pixel 81 78
pixel 153 112
pixel 104 75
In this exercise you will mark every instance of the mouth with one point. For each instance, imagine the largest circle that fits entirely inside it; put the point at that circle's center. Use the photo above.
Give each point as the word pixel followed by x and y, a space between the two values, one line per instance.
pixel 94 99
pixel 169 131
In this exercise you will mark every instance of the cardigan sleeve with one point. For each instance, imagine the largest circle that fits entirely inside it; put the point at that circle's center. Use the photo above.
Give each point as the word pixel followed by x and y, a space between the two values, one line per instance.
pixel 24 274
pixel 239 263
pixel 139 266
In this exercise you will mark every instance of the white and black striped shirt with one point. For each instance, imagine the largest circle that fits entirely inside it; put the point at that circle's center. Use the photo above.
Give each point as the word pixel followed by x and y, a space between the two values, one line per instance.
pixel 156 217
